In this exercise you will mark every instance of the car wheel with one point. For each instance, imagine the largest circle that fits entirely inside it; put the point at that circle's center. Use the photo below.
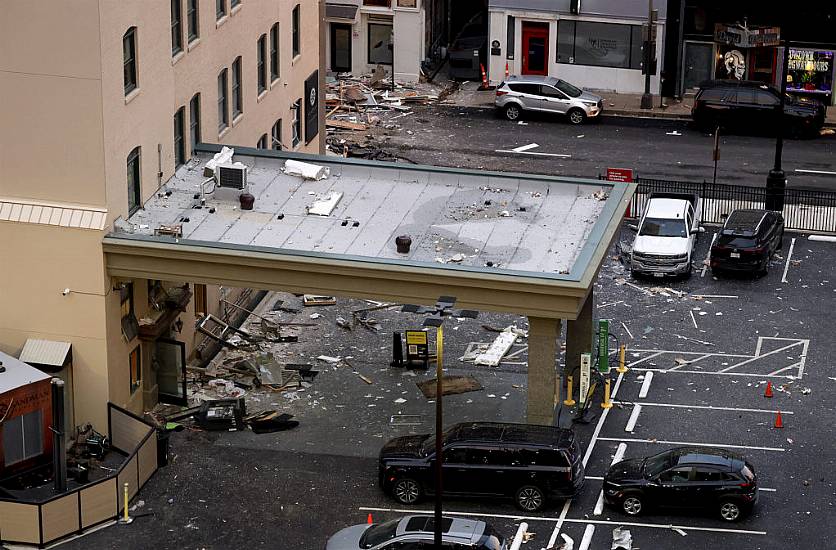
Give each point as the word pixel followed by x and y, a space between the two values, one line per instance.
pixel 512 111
pixel 632 504
pixel 730 510
pixel 406 491
pixel 530 498
pixel 576 116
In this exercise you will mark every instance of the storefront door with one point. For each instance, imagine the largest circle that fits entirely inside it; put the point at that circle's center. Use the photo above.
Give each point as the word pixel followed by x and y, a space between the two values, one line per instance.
pixel 698 65
pixel 170 361
pixel 535 46
pixel 340 47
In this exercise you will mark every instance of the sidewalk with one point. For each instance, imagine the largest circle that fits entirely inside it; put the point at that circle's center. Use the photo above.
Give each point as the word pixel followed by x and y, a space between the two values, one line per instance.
pixel 625 105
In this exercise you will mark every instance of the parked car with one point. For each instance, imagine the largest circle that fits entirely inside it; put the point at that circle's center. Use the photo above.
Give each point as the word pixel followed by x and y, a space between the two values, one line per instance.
pixel 685 477
pixel 665 235
pixel 469 50
pixel 528 463
pixel 750 105
pixel 416 533
pixel 747 241
pixel 518 94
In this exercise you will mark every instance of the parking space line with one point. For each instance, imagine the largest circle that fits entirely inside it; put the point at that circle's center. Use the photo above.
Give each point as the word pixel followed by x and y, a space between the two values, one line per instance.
pixel 619 456
pixel 755 358
pixel 648 378
pixel 587 537
pixel 787 265
pixel 513 152
pixel 643 359
pixel 690 361
pixel 581 521
pixel 634 417
pixel 691 444
pixel 709 407
pixel 717 373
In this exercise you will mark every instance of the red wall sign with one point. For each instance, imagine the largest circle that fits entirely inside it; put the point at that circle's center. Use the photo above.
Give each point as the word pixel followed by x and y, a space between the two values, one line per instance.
pixel 624 175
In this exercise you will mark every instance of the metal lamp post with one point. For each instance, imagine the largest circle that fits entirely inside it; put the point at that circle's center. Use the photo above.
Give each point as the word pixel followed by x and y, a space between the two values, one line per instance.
pixel 776 181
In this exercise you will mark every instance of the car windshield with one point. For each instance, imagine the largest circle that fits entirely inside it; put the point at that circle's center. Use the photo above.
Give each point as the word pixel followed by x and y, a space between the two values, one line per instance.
pixel 568 89
pixel 428 447
pixel 736 241
pixel 659 227
pixel 655 465
pixel 379 533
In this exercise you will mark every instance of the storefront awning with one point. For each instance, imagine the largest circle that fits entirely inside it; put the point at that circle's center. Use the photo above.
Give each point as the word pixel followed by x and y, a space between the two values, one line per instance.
pixel 48 355
pixel 340 11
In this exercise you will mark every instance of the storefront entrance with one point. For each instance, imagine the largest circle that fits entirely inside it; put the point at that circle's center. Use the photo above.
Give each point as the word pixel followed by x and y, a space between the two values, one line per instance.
pixel 169 359
pixel 535 46
pixel 340 47
pixel 698 65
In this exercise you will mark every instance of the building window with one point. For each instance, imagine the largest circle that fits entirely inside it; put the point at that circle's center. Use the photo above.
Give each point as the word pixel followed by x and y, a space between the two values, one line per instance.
pixel 297 122
pixel 194 121
pixel 276 136
pixel 193 18
pixel 136 370
pixel 274 52
pixel 134 187
pixel 176 27
pixel 380 38
pixel 260 67
pixel 296 49
pixel 179 138
pixel 223 108
pixel 220 9
pixel 599 44
pixel 262 142
pixel 23 437
pixel 129 59
pixel 510 40
pixel 200 300
pixel 378 3
pixel 130 326
pixel 233 3
pixel 237 107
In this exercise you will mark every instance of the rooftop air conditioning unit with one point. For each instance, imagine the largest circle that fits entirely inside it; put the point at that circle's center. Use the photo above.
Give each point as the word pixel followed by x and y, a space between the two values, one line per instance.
pixel 231 176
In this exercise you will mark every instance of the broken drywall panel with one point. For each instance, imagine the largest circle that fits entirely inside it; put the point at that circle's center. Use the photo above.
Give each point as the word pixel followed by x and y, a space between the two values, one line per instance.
pixel 324 204
pixel 306 170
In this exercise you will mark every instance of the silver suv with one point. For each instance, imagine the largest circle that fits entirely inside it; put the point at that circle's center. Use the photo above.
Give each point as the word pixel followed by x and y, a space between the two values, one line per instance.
pixel 546 93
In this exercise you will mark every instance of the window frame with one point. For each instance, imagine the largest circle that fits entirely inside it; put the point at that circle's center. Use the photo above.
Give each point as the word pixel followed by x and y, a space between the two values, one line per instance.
pixel 135 368
pixel 236 90
pixel 134 180
pixel 260 65
pixel 194 121
pixel 180 137
pixel 234 4
pixel 176 27
pixel 296 136
pixel 369 48
pixel 275 68
pixel 15 427
pixel 296 38
pixel 276 136
pixel 129 64
pixel 223 100
pixel 631 64
pixel 192 20
pixel 262 142
pixel 200 300
pixel 221 9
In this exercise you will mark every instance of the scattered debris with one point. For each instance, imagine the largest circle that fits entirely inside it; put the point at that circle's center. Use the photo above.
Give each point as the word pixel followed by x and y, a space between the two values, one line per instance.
pixel 622 539
pixel 323 205
pixel 316 300
pixel 450 385
pixel 500 346
pixel 306 170
pixel 364 379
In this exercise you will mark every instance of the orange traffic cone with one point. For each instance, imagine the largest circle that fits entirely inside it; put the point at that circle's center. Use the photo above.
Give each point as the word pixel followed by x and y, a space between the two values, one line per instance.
pixel 507 73
pixel 369 519
pixel 768 392
pixel 779 422
pixel 485 84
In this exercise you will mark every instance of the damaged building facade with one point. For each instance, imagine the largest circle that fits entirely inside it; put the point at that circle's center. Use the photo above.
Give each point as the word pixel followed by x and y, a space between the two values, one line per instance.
pixel 95 119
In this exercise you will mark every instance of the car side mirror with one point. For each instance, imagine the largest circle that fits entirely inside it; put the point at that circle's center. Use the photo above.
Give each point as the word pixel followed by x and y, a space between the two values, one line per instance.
pixel 633 227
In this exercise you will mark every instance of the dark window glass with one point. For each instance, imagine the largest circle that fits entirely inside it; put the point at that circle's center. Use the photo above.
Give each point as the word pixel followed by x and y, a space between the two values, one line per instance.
pixel 23 437
pixel 746 96
pixel 735 241
pixel 223 108
pixel 179 141
pixel 568 89
pixel 565 41
pixel 192 16
pixel 677 475
pixel 134 187
pixel 233 3
pixel 237 107
pixel 262 80
pixel 262 142
pixel 548 91
pixel 276 135
pixel 129 59
pixel 297 122
pixel 296 36
pixel 220 8
pixel 533 89
pixel 176 27
pixel 510 44
pixel 378 3
pixel 763 97
pixel 636 50
pixel 707 475
pixel 135 370
pixel 713 94
pixel 456 455
pixel 599 44
pixel 274 52
pixel 380 38
pixel 194 121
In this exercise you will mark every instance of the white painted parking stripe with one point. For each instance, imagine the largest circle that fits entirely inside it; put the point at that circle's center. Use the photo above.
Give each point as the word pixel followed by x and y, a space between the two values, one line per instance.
pixel 709 407
pixel 643 359
pixel 648 378
pixel 822 172
pixel 787 265
pixel 618 457
pixel 691 444
pixel 708 255
pixel 566 520
pixel 773 352
pixel 587 537
pixel 523 148
pixel 717 373
pixel 634 417
pixel 533 153
pixel 600 478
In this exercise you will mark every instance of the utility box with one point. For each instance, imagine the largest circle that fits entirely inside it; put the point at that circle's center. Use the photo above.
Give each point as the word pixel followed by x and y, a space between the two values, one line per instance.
pixel 586 367
pixel 603 346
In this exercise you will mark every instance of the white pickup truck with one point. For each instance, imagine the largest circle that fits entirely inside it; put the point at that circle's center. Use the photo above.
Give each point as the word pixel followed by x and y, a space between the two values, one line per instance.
pixel 665 236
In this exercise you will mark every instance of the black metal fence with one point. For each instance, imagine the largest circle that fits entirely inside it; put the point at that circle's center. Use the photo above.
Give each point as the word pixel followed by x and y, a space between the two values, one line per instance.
pixel 804 210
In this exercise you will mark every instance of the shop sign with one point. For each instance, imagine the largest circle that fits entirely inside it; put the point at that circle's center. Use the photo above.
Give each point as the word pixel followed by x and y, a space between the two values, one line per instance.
pixel 747 38
pixel 810 71
pixel 624 175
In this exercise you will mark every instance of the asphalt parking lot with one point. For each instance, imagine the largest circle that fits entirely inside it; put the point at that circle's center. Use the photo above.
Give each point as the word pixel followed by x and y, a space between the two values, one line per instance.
pixel 293 489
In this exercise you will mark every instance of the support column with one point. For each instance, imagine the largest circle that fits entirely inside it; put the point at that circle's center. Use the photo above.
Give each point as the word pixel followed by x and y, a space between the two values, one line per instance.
pixel 578 338
pixel 542 367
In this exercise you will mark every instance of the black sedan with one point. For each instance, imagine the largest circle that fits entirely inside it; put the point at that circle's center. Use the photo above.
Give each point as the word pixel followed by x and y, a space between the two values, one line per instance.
pixel 747 241
pixel 685 477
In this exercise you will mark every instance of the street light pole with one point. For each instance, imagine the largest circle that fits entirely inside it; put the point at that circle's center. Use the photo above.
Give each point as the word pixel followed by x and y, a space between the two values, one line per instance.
pixel 776 181
pixel 647 97
pixel 439 372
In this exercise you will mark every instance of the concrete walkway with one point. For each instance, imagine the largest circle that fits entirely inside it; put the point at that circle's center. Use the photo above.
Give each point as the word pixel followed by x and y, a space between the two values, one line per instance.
pixel 627 105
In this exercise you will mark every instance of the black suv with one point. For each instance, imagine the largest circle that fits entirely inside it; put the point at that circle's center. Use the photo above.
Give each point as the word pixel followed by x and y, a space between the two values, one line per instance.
pixel 747 241
pixel 750 105
pixel 526 462
pixel 685 477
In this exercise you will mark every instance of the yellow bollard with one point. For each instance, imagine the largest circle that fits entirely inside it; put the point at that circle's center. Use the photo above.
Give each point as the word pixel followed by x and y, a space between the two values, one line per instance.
pixel 569 402
pixel 622 368
pixel 125 519
pixel 607 404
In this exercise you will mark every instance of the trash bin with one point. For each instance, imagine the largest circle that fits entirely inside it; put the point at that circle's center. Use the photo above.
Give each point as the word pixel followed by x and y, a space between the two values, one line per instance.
pixel 163 436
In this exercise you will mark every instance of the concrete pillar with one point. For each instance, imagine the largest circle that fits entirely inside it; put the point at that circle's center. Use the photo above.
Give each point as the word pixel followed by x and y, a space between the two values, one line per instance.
pixel 578 338
pixel 542 367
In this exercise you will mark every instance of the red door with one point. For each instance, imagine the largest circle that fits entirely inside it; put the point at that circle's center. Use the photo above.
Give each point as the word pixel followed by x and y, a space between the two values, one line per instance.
pixel 535 46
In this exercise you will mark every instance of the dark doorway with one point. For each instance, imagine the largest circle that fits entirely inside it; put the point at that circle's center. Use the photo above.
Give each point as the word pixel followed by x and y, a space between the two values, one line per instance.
pixel 170 361
pixel 535 46
pixel 340 47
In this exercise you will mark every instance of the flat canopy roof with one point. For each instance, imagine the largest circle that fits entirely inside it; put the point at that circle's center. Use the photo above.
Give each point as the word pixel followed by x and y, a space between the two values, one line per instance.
pixel 17 374
pixel 487 232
